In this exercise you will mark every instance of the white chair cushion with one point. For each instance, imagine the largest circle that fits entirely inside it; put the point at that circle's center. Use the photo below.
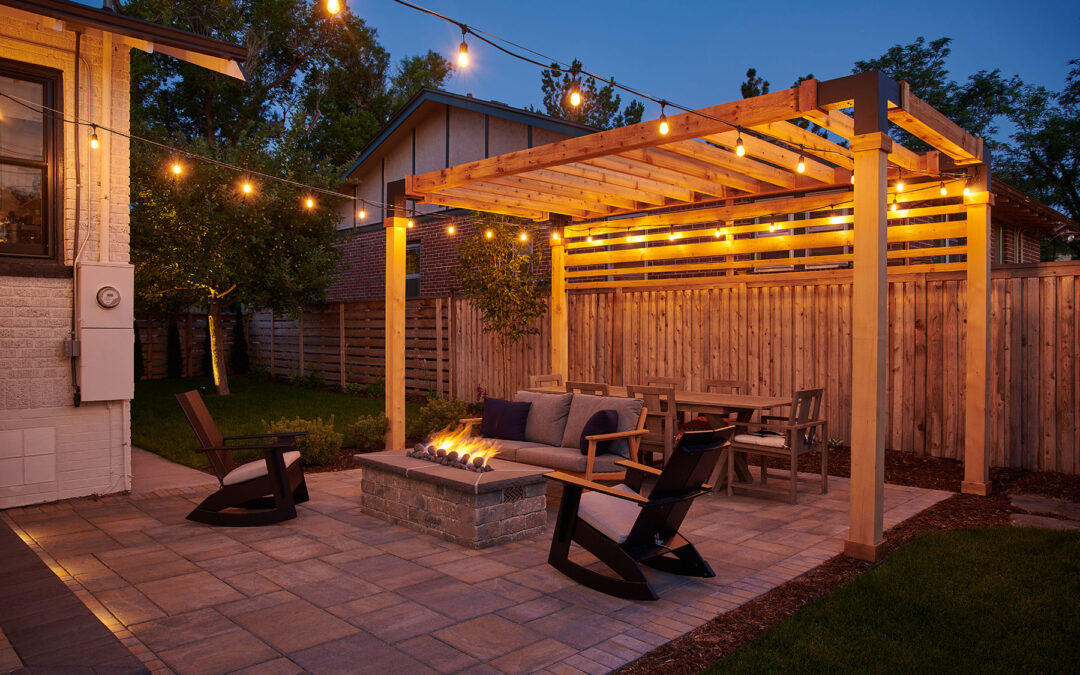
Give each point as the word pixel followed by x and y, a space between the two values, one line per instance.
pixel 764 440
pixel 255 469
pixel 614 517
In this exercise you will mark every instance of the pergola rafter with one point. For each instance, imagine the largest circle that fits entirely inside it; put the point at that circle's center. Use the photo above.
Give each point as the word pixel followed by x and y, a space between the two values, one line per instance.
pixel 633 207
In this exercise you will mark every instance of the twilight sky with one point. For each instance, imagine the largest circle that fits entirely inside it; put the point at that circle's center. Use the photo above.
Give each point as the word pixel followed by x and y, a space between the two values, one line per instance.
pixel 697 52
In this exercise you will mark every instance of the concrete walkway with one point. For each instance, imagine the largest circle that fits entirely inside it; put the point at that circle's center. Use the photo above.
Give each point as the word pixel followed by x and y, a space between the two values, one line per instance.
pixel 150 473
pixel 338 591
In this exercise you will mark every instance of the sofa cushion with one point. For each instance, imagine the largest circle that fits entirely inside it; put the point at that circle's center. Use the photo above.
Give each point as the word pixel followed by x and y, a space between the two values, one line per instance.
pixel 508 449
pixel 614 517
pixel 255 469
pixel 583 406
pixel 602 422
pixel 504 419
pixel 566 459
pixel 547 416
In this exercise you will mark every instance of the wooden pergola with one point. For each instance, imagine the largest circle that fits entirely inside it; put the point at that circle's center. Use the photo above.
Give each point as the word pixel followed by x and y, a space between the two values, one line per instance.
pixel 728 189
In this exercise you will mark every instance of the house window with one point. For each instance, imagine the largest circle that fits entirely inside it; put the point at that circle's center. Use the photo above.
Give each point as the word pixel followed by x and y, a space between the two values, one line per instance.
pixel 412 270
pixel 29 165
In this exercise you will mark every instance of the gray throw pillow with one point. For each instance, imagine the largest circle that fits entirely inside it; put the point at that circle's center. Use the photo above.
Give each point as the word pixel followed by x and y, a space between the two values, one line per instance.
pixel 584 406
pixel 547 416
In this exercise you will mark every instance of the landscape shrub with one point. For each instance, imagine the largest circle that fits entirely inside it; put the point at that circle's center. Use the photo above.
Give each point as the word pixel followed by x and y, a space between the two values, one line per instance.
pixel 437 414
pixel 353 389
pixel 369 432
pixel 322 444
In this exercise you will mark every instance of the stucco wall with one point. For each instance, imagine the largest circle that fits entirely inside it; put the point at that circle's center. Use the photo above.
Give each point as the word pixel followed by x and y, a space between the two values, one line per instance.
pixel 50 449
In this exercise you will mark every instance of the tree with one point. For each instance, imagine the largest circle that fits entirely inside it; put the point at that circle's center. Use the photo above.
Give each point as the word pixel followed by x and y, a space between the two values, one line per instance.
pixel 317 90
pixel 754 85
pixel 599 105
pixel 500 276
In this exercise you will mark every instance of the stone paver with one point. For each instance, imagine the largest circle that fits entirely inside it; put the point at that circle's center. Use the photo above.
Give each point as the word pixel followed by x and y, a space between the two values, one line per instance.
pixel 336 590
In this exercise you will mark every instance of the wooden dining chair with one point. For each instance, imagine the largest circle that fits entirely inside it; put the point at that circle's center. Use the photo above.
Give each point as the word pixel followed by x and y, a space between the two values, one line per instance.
pixel 661 421
pixel 725 386
pixel 658 381
pixel 595 388
pixel 797 435
pixel 546 380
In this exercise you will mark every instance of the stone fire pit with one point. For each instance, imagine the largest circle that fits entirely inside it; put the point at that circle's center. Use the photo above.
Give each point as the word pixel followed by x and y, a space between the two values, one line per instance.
pixel 469 508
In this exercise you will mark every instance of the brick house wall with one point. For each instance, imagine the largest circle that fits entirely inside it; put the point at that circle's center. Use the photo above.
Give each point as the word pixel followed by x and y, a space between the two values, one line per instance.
pixel 50 449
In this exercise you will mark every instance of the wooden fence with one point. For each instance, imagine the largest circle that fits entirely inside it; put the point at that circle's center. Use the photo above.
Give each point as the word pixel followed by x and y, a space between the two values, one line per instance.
pixel 343 343
pixel 776 334
pixel 153 335
pixel 781 335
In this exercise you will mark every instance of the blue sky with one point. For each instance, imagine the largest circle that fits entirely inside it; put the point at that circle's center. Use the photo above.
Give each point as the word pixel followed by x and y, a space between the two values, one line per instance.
pixel 697 53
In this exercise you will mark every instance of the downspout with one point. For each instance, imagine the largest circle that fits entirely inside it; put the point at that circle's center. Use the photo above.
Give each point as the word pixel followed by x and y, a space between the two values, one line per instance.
pixel 77 397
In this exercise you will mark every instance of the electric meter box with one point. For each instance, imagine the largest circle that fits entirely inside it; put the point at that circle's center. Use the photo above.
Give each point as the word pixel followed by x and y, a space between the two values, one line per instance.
pixel 106 334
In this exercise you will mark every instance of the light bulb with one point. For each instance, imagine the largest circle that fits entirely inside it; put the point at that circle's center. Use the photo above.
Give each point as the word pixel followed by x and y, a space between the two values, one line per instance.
pixel 246 188
pixel 575 97
pixel 409 224
pixel 589 238
pixel 554 236
pixel 717 234
pixel 894 206
pixel 967 191
pixel 899 186
pixel 177 169
pixel 333 6
pixel 671 235
pixel 630 239
pixel 463 54
pixel 524 236
pixel 309 202
pixel 772 227
pixel 93 139
pixel 801 166
pixel 489 234
pixel 664 126
pixel 361 214
pixel 943 190
pixel 853 179
pixel 450 229
pixel 740 149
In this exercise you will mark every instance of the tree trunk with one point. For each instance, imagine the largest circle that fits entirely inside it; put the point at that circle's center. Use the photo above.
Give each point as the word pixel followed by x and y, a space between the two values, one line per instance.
pixel 217 349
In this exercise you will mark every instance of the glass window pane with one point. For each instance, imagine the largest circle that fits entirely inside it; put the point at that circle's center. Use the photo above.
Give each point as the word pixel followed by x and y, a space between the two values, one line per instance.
pixel 21 128
pixel 412 261
pixel 21 220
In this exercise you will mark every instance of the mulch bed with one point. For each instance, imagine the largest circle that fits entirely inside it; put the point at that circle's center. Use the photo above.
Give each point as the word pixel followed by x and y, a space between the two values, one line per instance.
pixel 726 633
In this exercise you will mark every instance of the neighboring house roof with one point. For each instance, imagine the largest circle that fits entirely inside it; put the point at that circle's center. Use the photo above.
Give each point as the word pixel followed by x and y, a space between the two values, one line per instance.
pixel 198 49
pixel 1015 206
pixel 494 108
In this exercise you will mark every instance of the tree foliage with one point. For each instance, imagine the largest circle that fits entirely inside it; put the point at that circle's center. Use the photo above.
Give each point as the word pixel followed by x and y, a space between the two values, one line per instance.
pixel 600 105
pixel 317 89
pixel 501 276
pixel 754 85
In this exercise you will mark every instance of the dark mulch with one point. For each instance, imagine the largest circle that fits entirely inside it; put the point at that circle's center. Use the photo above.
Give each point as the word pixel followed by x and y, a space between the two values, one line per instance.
pixel 726 633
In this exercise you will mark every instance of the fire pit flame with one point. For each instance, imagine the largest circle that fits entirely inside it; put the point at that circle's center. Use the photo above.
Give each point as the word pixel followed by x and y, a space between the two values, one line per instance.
pixel 454 447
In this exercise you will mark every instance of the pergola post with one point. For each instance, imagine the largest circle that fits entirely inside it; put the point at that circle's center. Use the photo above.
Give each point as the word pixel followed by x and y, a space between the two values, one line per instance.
pixel 869 342
pixel 560 354
pixel 977 357
pixel 394 333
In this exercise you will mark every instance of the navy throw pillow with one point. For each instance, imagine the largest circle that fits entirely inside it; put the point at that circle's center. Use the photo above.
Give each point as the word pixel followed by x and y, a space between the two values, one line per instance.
pixel 504 419
pixel 602 422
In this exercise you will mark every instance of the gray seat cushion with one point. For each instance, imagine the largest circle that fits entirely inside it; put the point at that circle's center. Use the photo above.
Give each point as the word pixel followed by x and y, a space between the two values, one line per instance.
pixel 256 469
pixel 614 517
pixel 508 450
pixel 566 459
pixel 583 406
pixel 547 416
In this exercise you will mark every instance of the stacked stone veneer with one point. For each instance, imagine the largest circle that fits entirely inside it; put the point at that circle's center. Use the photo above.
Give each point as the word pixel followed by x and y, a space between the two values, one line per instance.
pixel 455 513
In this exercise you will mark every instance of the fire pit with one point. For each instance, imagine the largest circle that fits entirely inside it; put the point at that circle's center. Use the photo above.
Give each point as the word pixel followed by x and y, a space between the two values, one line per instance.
pixel 496 502
pixel 454 447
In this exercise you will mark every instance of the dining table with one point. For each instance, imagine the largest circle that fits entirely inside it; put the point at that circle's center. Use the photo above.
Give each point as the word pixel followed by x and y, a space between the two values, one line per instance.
pixel 716 408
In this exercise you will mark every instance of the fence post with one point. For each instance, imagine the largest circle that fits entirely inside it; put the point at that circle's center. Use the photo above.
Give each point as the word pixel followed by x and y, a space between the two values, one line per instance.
pixel 451 360
pixel 341 341
pixel 438 346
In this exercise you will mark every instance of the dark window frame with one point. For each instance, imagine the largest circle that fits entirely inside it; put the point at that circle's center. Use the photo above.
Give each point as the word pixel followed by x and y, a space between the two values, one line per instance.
pixel 51 264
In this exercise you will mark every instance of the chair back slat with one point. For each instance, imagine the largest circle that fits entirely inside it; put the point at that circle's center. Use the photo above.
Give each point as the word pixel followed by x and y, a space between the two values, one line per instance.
pixel 660 419
pixel 206 431
pixel 546 380
pixel 804 408
pixel 595 388
pixel 657 381
pixel 725 386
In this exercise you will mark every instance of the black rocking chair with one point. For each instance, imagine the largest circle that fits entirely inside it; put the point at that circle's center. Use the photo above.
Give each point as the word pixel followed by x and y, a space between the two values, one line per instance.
pixel 265 491
pixel 625 529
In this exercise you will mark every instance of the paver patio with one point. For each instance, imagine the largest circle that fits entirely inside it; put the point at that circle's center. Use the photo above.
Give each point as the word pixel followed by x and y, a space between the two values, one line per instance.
pixel 338 591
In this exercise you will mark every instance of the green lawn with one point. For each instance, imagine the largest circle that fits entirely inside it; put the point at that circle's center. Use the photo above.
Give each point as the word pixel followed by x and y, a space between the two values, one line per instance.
pixel 1000 600
pixel 158 425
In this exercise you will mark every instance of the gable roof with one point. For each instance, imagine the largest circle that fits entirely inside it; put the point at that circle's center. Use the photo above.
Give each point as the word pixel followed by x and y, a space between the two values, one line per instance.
pixel 493 108
pixel 207 52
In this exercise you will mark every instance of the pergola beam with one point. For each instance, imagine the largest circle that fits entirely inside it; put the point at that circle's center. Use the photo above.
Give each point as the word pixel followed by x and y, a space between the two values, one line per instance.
pixel 640 169
pixel 598 187
pixel 624 180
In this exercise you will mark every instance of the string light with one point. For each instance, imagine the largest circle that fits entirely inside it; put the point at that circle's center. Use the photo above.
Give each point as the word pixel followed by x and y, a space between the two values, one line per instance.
pixel 943 190
pixel 524 236
pixel 362 213
pixel 664 127
pixel 967 191
pixel 671 233
pixel 575 94
pixel 409 224
pixel 554 236
pixel 489 234
pixel 900 182
pixel 333 7
pixel 177 169
pixel 740 149
pixel 801 166
pixel 93 137
pixel 463 51
pixel 852 177
pixel 246 187
pixel 589 237
pixel 772 227
pixel 309 203
pixel 894 206
pixel 450 229
pixel 718 233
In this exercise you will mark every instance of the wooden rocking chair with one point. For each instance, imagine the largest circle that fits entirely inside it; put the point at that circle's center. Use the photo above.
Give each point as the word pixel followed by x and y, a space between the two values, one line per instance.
pixel 625 529
pixel 267 491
